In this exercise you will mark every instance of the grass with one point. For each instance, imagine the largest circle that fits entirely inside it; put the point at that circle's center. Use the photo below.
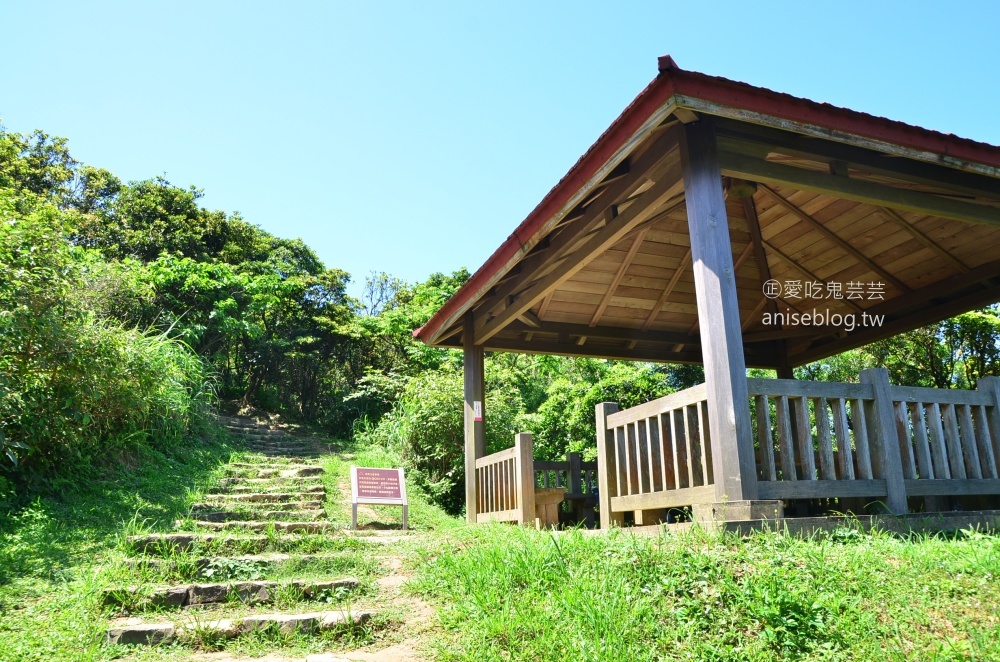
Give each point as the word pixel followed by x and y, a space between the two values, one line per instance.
pixel 500 592
pixel 513 594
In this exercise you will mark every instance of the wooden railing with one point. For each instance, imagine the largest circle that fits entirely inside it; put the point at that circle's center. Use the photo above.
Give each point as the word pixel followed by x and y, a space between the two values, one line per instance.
pixel 813 439
pixel 504 490
pixel 949 440
pixel 577 476
pixel 654 456
pixel 579 479
pixel 872 439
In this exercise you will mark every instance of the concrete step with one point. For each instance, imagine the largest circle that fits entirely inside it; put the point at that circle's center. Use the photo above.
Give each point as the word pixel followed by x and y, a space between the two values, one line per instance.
pixel 247 592
pixel 135 631
pixel 255 525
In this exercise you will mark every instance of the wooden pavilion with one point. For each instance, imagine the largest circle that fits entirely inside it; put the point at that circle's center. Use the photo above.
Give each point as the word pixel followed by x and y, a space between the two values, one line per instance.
pixel 701 227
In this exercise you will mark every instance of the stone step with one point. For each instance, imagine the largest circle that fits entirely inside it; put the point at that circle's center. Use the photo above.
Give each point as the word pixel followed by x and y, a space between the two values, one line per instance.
pixel 223 504
pixel 246 592
pixel 205 567
pixel 222 543
pixel 287 448
pixel 254 525
pixel 271 497
pixel 260 431
pixel 135 631
pixel 272 464
pixel 244 481
pixel 246 515
pixel 275 488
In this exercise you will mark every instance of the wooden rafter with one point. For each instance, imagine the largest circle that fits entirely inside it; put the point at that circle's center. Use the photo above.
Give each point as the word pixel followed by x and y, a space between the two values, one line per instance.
pixel 665 294
pixel 834 238
pixel 694 327
pixel 924 239
pixel 622 268
pixel 544 307
pixel 748 322
pixel 757 240
pixel 666 192
pixel 808 274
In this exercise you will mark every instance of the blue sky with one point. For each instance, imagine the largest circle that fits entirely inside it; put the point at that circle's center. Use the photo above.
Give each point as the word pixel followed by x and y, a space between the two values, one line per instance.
pixel 413 137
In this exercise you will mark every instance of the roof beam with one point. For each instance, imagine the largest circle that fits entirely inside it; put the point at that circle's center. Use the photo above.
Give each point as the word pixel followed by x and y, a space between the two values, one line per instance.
pixel 667 191
pixel 610 333
pixel 756 140
pixel 834 238
pixel 738 165
pixel 626 263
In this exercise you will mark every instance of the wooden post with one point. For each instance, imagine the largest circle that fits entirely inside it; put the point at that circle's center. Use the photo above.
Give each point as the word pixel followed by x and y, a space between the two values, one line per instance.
pixel 607 469
pixel 719 316
pixel 884 438
pixel 991 385
pixel 475 430
pixel 525 477
pixel 575 485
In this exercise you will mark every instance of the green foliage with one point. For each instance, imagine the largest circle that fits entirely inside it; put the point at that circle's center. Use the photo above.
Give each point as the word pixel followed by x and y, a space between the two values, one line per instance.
pixel 76 390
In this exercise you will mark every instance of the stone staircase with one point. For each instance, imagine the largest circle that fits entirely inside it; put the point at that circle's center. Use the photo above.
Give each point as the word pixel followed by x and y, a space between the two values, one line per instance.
pixel 255 555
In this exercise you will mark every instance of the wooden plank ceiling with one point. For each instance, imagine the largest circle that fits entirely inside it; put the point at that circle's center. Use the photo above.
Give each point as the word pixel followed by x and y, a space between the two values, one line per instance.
pixel 919 242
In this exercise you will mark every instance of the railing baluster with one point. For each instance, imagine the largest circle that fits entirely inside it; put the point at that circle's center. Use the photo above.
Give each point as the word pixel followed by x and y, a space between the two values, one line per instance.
pixel 619 459
pixel 939 446
pixel 785 439
pixel 689 441
pixel 844 452
pixel 989 460
pixel 768 471
pixel 653 450
pixel 826 467
pixel 972 465
pixel 665 453
pixel 903 438
pixel 706 443
pixel 864 453
pixel 642 458
pixel 954 442
pixel 804 434
pixel 677 438
pixel 923 450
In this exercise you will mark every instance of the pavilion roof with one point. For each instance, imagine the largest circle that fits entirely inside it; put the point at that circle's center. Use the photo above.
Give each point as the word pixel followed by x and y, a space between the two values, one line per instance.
pixel 818 196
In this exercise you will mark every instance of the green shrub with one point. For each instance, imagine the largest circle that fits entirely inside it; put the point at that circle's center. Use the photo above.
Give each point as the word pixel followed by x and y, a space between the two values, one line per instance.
pixel 76 392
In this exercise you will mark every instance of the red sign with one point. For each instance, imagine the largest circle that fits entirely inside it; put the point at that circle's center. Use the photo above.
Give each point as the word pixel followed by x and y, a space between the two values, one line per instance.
pixel 378 484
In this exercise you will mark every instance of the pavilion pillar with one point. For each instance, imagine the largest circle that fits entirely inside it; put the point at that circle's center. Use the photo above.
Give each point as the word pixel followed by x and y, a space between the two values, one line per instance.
pixel 475 414
pixel 734 465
